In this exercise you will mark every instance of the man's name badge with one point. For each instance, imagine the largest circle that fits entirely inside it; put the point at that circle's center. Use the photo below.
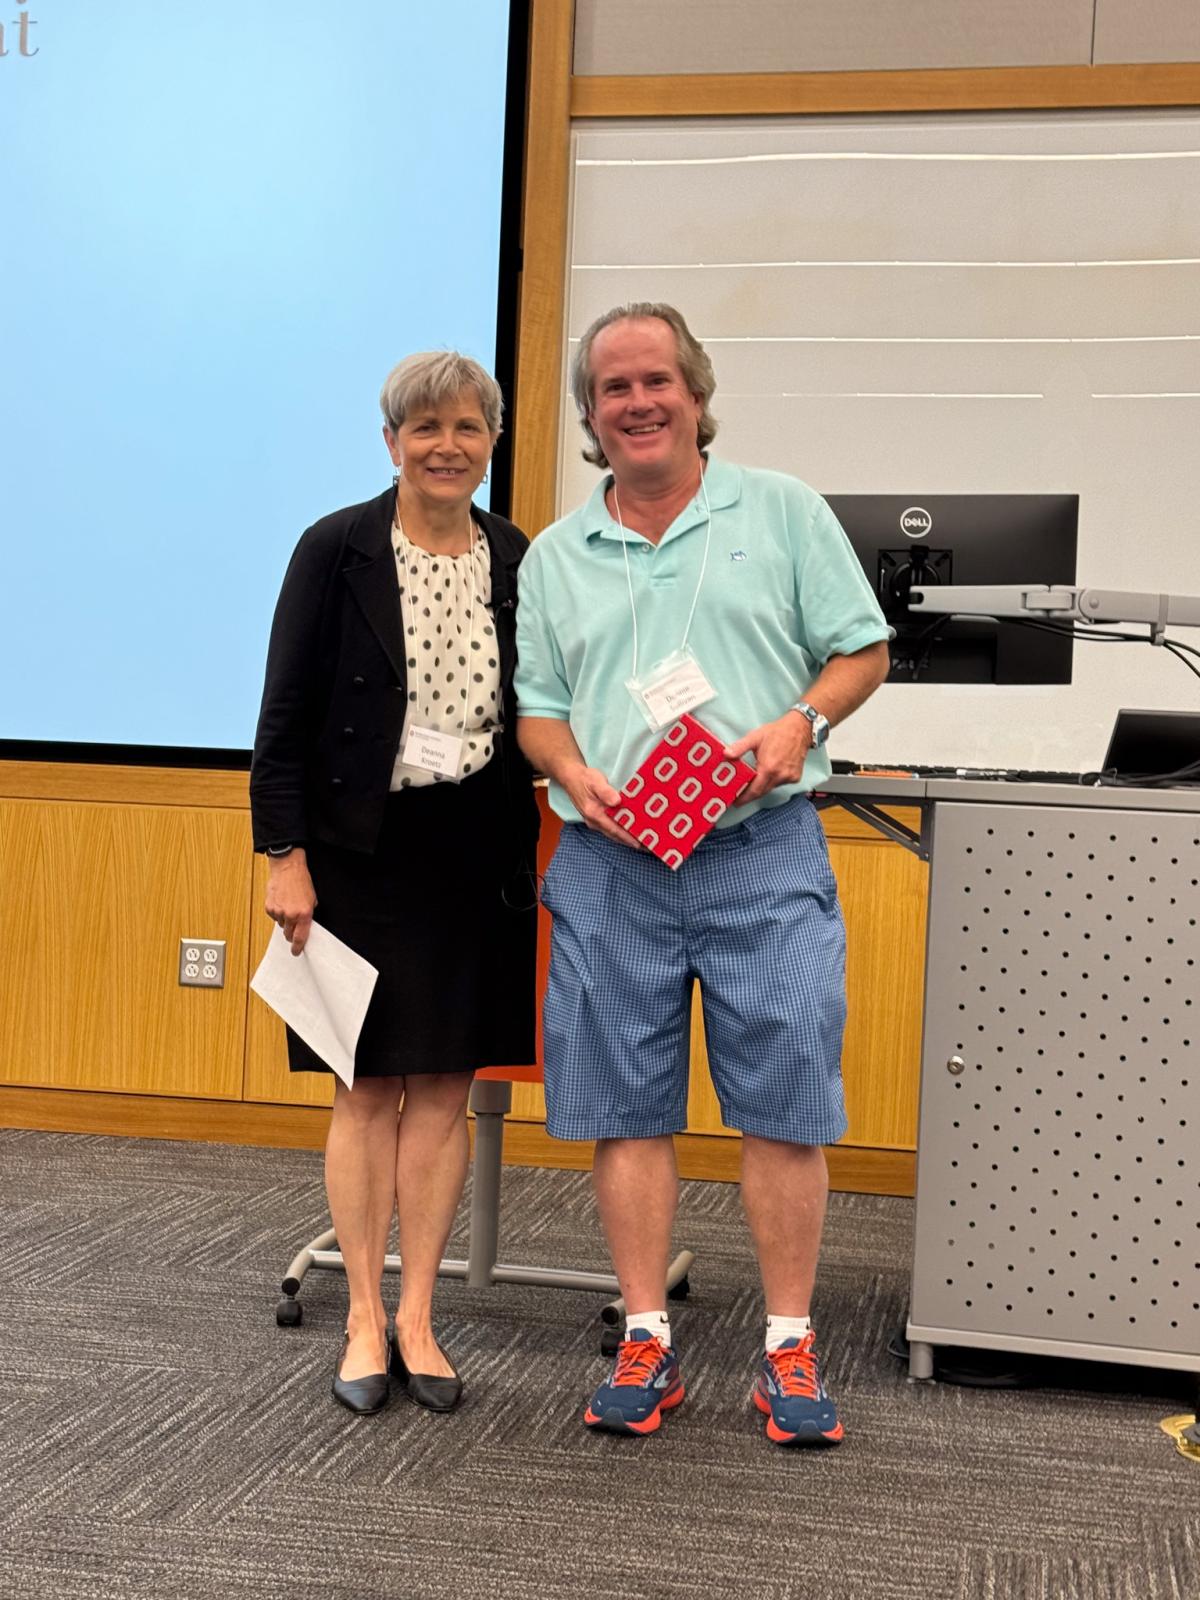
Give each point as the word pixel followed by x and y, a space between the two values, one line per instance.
pixel 432 751
pixel 670 688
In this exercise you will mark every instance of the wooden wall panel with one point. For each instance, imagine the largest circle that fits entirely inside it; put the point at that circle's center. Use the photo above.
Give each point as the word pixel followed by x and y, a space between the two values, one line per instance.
pixel 844 826
pixel 95 901
pixel 883 889
pixel 704 1109
pixel 528 1103
pixel 96 898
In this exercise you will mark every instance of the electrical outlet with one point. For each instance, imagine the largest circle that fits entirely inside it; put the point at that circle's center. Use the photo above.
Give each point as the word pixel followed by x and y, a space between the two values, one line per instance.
pixel 202 963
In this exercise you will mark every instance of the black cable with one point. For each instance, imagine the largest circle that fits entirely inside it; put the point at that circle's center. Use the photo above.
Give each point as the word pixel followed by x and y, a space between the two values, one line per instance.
pixel 1085 631
pixel 1185 778
pixel 1173 646
pixel 919 649
pixel 1178 644
pixel 925 642
pixel 1068 630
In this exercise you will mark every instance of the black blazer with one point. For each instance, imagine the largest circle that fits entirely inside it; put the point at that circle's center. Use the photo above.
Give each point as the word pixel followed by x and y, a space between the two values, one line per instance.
pixel 335 693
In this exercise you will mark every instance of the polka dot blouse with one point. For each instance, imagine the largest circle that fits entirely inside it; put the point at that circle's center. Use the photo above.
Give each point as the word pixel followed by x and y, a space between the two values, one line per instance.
pixel 453 664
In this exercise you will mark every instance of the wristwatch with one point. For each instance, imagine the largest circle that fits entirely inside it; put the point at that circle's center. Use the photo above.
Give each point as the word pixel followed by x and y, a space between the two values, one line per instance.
pixel 278 851
pixel 820 724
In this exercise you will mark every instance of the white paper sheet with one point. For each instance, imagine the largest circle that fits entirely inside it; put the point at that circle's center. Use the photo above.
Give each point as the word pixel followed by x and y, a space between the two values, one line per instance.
pixel 322 994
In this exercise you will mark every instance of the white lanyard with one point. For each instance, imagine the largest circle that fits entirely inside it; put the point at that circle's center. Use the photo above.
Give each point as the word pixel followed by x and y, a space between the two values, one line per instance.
pixel 629 577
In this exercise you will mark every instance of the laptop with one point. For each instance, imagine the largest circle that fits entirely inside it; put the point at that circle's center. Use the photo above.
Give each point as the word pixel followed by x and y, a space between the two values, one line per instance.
pixel 1151 744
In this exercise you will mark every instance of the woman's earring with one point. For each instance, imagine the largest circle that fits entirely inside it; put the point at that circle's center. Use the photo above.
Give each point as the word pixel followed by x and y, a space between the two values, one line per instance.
pixel 486 476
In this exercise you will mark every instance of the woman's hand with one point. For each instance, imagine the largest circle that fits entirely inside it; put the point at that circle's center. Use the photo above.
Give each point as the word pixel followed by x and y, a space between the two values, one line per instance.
pixel 291 898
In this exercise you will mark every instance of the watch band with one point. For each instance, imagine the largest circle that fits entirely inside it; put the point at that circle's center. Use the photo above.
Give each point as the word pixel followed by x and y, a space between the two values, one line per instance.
pixel 818 720
pixel 278 851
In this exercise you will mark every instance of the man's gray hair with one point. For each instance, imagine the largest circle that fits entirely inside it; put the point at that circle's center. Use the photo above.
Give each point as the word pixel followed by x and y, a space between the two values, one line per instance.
pixel 431 378
pixel 693 364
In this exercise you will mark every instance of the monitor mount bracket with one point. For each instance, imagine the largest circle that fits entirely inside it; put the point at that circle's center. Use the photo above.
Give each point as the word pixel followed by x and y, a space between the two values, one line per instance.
pixel 1058 602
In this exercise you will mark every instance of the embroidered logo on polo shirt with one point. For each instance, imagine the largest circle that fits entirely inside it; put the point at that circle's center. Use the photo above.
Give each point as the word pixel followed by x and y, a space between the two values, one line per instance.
pixel 738 555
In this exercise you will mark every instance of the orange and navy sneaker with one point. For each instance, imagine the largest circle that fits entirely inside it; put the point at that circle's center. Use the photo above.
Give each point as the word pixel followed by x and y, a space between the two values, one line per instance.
pixel 789 1390
pixel 643 1384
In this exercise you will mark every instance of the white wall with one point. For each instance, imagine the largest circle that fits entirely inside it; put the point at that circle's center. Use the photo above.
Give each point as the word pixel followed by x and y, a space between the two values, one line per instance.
pixel 639 37
pixel 672 36
pixel 937 305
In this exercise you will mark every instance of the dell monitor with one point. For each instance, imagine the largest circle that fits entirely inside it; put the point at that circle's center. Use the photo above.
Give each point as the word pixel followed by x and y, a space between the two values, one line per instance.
pixel 908 541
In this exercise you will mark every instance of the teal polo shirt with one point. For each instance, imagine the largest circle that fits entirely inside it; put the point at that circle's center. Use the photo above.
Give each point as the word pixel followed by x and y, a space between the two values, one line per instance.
pixel 782 592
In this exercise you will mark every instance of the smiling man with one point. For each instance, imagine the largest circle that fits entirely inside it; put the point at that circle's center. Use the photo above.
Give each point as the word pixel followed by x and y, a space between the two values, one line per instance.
pixel 737 588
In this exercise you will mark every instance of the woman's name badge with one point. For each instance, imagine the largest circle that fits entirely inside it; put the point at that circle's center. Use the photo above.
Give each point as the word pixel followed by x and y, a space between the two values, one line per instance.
pixel 432 751
pixel 674 685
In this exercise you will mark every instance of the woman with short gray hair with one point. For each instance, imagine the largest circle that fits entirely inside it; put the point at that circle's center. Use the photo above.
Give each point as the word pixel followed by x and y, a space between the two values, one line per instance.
pixel 394 808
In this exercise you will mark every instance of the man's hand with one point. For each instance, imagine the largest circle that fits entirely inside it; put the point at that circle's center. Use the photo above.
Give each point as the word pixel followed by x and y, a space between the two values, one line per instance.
pixel 291 898
pixel 549 746
pixel 590 791
pixel 779 750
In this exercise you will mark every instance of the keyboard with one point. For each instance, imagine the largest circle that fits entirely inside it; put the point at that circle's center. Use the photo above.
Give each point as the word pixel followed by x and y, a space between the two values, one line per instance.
pixel 851 769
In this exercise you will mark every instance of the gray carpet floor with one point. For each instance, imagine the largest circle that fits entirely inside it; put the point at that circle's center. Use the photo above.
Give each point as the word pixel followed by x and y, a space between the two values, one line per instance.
pixel 160 1436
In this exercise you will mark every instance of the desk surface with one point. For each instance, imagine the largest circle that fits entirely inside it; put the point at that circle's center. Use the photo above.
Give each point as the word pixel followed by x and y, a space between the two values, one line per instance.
pixel 924 791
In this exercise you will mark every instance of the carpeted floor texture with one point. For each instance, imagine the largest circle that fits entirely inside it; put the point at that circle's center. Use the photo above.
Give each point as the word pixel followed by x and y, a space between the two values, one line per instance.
pixel 161 1437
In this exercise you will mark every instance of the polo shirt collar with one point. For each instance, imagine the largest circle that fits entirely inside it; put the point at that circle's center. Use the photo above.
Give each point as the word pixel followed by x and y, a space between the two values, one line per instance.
pixel 722 480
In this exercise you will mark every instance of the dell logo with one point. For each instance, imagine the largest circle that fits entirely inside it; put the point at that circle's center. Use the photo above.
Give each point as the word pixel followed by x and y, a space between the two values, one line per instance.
pixel 916 522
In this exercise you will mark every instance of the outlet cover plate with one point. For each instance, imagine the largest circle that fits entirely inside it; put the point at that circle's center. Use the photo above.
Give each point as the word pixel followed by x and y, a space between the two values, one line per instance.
pixel 202 963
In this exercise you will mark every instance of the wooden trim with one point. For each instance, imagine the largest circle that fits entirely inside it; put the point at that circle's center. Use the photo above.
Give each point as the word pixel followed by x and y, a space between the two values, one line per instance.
pixel 540 317
pixel 145 1116
pixel 756 94
pixel 856 1169
pixel 716 1157
pixel 526 1144
pixel 151 786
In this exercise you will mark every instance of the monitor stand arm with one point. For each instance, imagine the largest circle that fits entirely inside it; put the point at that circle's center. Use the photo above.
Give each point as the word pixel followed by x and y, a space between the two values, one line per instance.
pixel 1061 602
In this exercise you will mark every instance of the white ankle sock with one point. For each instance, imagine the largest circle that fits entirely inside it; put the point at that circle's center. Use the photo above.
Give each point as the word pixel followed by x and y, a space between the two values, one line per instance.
pixel 781 1328
pixel 655 1322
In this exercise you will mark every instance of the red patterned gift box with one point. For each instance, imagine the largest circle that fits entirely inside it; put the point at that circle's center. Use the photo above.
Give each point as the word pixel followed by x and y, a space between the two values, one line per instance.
pixel 680 792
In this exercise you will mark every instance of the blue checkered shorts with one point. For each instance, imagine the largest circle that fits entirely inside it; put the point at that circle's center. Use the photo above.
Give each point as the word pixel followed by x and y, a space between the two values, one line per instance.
pixel 753 915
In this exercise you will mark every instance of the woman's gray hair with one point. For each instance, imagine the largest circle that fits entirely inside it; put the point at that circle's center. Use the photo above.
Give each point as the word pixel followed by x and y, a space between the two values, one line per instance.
pixel 431 378
pixel 693 364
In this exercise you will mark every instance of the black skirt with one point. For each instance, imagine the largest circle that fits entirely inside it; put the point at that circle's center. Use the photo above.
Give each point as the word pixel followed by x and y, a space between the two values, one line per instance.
pixel 452 930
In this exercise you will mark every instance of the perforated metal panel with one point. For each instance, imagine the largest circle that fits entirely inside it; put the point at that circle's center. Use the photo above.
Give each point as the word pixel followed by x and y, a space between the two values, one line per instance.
pixel 1058 1186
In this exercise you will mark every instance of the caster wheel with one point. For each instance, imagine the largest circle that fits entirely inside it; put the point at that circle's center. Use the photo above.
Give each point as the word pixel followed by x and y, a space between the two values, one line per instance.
pixel 681 1290
pixel 289 1313
pixel 610 1341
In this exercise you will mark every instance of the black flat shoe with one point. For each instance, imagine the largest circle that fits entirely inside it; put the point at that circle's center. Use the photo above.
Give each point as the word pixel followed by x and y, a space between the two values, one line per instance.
pixel 435 1394
pixel 364 1396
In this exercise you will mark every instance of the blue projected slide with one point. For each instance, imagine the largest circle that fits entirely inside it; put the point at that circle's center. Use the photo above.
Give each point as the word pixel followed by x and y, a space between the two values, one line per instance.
pixel 221 228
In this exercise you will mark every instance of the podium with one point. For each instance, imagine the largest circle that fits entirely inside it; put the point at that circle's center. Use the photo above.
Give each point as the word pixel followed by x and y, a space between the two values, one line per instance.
pixel 1058 1174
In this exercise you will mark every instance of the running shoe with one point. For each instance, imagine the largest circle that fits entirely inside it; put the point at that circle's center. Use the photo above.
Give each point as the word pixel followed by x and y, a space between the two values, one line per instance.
pixel 789 1390
pixel 643 1384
